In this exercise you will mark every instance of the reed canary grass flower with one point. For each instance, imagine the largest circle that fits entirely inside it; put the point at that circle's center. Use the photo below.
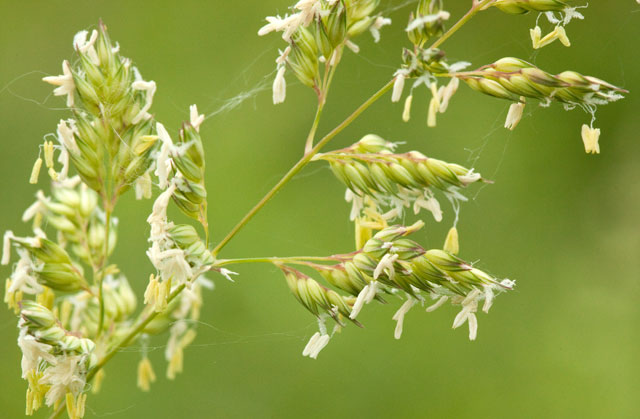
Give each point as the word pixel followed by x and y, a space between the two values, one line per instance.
pixel 76 310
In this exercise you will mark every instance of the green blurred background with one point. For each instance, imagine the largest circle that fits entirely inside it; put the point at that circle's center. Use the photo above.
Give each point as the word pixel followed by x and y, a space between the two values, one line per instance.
pixel 564 224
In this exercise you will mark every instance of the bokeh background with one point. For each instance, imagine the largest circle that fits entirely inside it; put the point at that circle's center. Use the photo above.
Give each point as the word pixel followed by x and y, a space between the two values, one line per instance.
pixel 564 224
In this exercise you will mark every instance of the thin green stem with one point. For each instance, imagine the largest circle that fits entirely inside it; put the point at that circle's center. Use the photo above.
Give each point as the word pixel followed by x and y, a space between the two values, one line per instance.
pixel 145 320
pixel 107 228
pixel 314 127
pixel 302 260
pixel 478 5
pixel 322 100
pixel 301 164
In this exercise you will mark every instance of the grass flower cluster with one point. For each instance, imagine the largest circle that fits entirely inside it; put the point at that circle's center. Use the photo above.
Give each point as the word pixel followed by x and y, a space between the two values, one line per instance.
pixel 75 307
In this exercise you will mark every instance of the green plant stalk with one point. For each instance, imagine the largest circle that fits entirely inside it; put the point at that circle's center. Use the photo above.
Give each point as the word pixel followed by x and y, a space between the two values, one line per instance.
pixel 141 324
pixel 299 260
pixel 314 127
pixel 107 211
pixel 477 6
pixel 322 99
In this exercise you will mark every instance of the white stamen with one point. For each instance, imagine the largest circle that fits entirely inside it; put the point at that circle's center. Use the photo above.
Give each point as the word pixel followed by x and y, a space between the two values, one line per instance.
pixel 227 274
pixel 33 352
pixel 473 326
pixel 590 137
pixel 33 209
pixel 386 265
pixel 457 66
pixel 87 47
pixel 282 58
pixel 319 345
pixel 365 296
pixel 65 83
pixel 406 113
pixel 399 316
pixel 470 177
pixel 149 87
pixel 429 203
pixel 360 300
pixel 311 344
pixel 398 85
pixel 423 20
pixel 438 304
pixel 279 86
pixel 195 118
pixel 461 317
pixel 63 158
pixel 508 283
pixel 143 186
pixel 571 13
pixel 471 297
pixel 434 105
pixel 377 25
pixel 447 93
pixel 488 298
pixel 35 172
pixel 316 344
pixel 163 159
pixel 353 47
pixel 6 247
pixel 66 138
pixel 372 292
